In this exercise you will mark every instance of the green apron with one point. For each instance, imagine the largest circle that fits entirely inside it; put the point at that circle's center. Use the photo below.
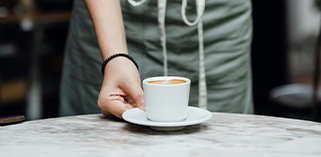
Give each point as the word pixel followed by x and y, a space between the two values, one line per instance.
pixel 214 52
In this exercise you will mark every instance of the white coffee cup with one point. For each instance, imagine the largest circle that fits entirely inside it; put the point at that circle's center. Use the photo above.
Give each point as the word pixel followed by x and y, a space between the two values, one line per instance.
pixel 166 102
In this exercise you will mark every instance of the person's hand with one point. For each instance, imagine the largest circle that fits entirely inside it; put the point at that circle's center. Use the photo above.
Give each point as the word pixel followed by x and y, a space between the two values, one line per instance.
pixel 121 89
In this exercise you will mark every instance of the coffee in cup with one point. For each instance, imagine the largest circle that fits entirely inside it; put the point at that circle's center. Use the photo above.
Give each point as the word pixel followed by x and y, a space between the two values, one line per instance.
pixel 166 98
pixel 167 82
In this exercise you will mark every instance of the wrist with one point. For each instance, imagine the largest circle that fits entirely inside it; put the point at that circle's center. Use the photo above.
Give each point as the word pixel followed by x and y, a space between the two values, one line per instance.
pixel 107 55
pixel 123 55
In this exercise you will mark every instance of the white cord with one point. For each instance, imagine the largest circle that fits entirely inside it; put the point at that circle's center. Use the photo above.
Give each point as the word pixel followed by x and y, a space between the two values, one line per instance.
pixel 202 89
pixel 200 4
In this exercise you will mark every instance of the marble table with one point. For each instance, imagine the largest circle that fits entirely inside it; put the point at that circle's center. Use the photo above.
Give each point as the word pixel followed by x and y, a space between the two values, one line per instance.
pixel 223 135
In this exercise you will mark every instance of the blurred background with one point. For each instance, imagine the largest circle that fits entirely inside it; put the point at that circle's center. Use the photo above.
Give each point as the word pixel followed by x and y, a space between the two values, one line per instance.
pixel 33 35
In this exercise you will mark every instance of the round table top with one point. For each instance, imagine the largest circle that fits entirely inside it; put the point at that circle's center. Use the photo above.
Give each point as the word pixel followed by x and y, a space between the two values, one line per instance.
pixel 223 135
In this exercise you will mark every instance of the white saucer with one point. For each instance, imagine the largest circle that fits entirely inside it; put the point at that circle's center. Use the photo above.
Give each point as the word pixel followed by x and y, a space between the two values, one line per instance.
pixel 194 116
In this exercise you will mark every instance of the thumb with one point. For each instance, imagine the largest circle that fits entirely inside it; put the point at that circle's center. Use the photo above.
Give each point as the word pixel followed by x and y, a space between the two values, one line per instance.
pixel 136 93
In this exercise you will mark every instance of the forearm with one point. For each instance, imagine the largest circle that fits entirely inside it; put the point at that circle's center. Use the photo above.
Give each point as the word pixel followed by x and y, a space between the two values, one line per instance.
pixel 108 23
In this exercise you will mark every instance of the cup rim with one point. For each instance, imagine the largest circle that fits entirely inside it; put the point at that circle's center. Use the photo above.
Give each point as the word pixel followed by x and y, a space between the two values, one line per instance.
pixel 188 81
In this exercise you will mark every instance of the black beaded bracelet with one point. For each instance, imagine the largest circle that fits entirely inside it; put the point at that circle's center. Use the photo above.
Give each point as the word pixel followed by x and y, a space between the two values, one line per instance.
pixel 114 56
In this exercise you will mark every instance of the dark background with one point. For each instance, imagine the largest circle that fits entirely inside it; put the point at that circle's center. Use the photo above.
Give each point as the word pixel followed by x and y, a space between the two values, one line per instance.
pixel 269 57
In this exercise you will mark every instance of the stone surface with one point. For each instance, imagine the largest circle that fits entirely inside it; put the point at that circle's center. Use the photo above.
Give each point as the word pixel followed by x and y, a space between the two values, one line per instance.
pixel 223 135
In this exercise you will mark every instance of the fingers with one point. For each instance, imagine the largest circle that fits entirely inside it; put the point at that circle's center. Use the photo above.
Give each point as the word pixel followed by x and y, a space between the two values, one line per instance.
pixel 115 105
pixel 119 108
pixel 134 90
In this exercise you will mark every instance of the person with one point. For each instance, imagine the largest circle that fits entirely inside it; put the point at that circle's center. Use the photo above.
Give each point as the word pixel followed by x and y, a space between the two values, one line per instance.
pixel 206 41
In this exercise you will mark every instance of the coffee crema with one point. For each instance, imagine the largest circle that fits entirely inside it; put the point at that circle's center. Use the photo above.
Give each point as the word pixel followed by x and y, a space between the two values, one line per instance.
pixel 167 82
